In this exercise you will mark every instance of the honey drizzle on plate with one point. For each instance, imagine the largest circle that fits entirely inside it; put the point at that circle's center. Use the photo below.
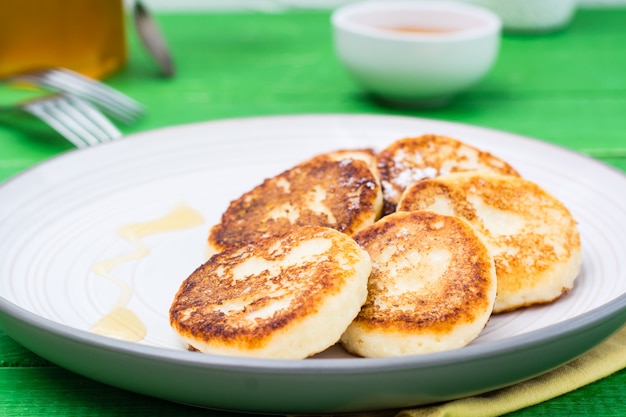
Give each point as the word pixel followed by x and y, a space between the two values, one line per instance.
pixel 121 322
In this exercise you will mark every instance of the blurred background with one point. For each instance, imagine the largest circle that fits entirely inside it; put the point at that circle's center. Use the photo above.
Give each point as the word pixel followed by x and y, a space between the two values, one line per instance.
pixel 269 4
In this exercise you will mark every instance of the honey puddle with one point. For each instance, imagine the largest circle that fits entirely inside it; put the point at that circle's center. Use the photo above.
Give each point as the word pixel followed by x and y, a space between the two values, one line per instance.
pixel 424 30
pixel 121 322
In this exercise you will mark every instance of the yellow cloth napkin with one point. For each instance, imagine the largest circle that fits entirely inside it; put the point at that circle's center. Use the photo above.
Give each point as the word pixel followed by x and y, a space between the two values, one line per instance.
pixel 602 361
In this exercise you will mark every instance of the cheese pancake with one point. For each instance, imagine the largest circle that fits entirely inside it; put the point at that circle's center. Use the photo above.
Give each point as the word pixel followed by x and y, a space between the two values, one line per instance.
pixel 287 296
pixel 341 193
pixel 409 160
pixel 366 155
pixel 532 236
pixel 432 286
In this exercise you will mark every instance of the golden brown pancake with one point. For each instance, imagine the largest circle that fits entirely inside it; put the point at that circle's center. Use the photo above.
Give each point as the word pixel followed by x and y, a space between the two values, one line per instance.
pixel 432 286
pixel 409 160
pixel 366 155
pixel 287 296
pixel 532 236
pixel 331 191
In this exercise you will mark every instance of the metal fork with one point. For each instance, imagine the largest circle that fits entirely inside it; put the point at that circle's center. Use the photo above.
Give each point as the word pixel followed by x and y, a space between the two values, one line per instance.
pixel 75 119
pixel 61 80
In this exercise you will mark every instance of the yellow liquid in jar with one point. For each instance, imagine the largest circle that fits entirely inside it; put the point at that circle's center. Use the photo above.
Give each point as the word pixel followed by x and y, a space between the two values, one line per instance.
pixel 86 36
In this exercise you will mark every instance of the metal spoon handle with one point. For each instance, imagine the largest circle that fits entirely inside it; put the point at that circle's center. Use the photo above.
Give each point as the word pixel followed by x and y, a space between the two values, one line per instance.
pixel 152 39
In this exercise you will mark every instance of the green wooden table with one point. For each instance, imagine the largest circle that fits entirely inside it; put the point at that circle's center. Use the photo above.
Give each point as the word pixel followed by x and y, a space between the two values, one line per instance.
pixel 568 88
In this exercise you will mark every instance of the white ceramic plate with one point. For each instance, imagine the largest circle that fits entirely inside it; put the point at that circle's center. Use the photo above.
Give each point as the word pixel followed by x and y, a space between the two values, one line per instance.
pixel 59 219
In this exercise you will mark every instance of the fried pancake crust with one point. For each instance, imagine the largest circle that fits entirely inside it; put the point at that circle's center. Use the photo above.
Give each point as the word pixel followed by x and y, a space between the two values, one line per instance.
pixel 532 236
pixel 287 296
pixel 432 286
pixel 334 190
pixel 409 160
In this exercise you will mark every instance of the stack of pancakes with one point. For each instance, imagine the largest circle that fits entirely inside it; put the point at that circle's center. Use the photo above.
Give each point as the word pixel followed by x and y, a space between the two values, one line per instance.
pixel 405 251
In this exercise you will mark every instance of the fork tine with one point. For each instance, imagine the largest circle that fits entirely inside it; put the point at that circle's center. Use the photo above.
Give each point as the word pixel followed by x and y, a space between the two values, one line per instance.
pixel 75 119
pixel 81 83
pixel 108 129
pixel 41 111
pixel 115 103
pixel 69 117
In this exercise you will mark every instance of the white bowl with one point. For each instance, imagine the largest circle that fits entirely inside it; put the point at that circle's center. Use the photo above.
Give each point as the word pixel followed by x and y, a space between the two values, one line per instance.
pixel 531 15
pixel 416 52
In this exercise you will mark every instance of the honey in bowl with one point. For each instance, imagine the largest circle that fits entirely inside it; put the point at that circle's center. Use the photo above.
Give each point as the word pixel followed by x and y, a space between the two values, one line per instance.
pixel 85 36
pixel 422 30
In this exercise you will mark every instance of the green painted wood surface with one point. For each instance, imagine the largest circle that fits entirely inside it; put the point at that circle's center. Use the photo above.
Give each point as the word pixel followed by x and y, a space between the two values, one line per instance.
pixel 568 88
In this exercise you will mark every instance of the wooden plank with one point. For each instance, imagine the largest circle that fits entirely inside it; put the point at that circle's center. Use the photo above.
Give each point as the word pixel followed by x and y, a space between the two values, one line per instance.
pixel 13 354
pixel 49 392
